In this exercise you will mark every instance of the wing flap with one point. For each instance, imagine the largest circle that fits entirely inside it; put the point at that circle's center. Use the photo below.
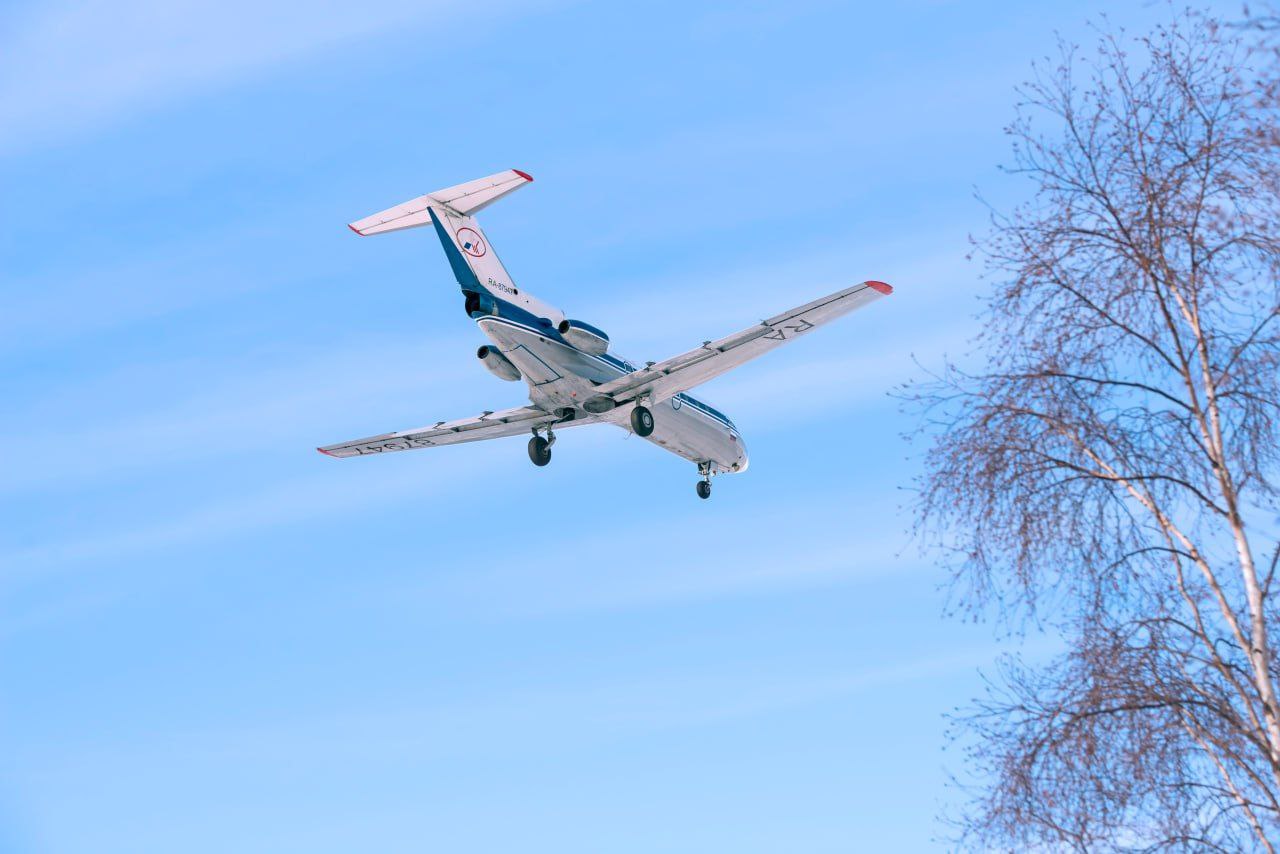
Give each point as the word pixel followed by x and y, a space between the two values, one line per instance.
pixel 746 336
pixel 490 425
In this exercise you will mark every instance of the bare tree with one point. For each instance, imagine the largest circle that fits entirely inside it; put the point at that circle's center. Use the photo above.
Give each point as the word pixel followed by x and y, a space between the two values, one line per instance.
pixel 1110 472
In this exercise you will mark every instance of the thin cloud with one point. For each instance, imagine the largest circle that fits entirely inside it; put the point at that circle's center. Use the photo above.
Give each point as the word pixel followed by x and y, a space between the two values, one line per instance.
pixel 62 302
pixel 252 411
pixel 284 503
pixel 751 570
pixel 512 720
pixel 96 62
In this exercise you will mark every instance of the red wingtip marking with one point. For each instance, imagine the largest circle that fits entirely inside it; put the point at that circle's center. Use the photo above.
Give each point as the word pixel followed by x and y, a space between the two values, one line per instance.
pixel 326 453
pixel 524 175
pixel 353 228
pixel 881 287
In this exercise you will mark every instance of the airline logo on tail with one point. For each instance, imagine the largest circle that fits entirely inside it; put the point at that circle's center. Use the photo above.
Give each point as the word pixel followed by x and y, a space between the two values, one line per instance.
pixel 471 242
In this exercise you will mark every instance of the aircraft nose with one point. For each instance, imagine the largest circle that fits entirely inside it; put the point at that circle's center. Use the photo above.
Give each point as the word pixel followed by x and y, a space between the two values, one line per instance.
pixel 741 464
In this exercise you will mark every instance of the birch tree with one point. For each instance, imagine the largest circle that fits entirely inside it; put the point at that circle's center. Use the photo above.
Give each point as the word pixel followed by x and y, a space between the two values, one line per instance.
pixel 1109 470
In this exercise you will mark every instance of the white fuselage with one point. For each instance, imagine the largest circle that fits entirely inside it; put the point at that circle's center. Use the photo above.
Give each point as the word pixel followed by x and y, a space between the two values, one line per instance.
pixel 562 377
pixel 572 377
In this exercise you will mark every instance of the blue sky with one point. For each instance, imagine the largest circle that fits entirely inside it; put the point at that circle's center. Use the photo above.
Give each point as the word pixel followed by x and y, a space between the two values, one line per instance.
pixel 213 638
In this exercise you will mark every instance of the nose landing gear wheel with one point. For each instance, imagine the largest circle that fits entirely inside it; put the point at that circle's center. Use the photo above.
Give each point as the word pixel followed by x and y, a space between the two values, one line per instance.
pixel 704 489
pixel 641 421
pixel 539 451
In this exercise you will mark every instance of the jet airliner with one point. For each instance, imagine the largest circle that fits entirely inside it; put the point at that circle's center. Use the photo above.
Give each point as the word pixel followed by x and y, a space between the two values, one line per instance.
pixel 572 375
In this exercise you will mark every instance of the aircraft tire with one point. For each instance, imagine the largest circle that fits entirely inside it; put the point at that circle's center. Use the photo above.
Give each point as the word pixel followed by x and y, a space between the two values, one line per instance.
pixel 539 451
pixel 704 489
pixel 642 421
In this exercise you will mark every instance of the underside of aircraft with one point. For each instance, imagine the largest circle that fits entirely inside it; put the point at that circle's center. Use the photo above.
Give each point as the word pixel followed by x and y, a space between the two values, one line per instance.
pixel 572 376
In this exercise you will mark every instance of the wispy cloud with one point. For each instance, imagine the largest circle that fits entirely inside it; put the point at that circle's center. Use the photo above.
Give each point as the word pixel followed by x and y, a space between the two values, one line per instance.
pixel 786 553
pixel 65 298
pixel 267 404
pixel 701 304
pixel 281 503
pixel 512 720
pixel 222 415
pixel 96 61
pixel 753 569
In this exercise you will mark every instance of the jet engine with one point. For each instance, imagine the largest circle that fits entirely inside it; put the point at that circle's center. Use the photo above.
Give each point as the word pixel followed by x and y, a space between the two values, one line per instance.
pixel 499 365
pixel 584 336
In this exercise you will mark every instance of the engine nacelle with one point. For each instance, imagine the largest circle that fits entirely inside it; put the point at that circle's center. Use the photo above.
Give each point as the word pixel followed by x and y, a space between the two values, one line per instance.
pixel 478 304
pixel 499 365
pixel 584 336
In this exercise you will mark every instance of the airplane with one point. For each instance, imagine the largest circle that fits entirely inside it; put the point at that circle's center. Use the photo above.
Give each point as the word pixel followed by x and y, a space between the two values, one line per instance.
pixel 572 376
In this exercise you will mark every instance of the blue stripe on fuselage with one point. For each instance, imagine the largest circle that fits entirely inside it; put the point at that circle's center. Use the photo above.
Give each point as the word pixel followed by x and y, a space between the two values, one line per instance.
pixel 461 269
pixel 529 322
pixel 543 326
pixel 626 368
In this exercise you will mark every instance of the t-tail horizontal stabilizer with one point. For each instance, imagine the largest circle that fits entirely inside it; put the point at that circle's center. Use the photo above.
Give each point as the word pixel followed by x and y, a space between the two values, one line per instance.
pixel 452 212
pixel 461 201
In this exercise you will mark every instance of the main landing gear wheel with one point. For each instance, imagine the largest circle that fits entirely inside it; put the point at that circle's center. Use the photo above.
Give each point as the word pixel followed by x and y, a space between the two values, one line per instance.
pixel 642 421
pixel 539 451
pixel 704 489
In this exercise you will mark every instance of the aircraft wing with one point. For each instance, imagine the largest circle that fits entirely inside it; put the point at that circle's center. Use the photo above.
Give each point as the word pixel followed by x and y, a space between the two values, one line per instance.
pixel 662 380
pixel 490 425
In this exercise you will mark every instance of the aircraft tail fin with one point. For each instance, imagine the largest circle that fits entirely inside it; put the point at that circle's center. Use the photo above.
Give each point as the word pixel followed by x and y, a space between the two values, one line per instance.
pixel 451 211
pixel 461 200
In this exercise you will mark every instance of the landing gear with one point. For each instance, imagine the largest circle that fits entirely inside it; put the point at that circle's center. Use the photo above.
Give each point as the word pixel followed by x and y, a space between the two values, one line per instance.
pixel 642 421
pixel 704 485
pixel 539 451
pixel 540 448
